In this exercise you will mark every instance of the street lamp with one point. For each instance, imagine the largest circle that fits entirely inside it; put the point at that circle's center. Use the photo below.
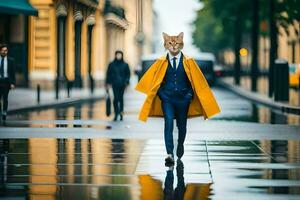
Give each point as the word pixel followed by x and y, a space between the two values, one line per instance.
pixel 243 52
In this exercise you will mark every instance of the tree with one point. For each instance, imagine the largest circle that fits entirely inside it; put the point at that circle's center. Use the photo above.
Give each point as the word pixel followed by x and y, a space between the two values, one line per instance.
pixel 254 36
pixel 229 18
pixel 222 24
pixel 209 34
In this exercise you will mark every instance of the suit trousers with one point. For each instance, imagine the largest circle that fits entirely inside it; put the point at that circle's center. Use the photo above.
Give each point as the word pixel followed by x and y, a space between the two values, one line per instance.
pixel 4 90
pixel 174 106
pixel 118 101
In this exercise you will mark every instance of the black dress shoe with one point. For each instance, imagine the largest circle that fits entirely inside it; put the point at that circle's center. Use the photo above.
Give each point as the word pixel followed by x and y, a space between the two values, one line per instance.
pixel 169 161
pixel 180 150
pixel 121 117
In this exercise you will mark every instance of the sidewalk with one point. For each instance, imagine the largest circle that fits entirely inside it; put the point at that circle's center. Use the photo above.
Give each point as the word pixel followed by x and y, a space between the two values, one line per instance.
pixel 223 158
pixel 23 99
pixel 260 97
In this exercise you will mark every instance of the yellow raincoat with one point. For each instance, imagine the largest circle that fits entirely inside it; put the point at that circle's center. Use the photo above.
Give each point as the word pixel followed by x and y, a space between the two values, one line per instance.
pixel 203 103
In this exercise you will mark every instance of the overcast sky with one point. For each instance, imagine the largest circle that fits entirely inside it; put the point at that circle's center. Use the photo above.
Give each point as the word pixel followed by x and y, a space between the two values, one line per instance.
pixel 175 16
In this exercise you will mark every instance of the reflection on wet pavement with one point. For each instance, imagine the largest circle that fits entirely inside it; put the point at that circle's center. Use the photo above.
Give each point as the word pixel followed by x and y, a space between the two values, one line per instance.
pixel 104 168
pixel 134 169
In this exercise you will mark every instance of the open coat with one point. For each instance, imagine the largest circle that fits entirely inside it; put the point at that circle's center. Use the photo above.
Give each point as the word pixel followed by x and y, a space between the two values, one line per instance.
pixel 203 102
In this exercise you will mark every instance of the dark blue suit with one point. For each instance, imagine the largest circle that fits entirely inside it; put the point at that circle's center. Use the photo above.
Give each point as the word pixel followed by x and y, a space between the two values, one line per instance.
pixel 5 82
pixel 176 94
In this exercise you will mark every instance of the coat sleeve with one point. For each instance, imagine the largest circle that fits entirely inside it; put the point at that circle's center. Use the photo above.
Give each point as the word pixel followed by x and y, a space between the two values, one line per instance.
pixel 108 74
pixel 127 74
pixel 146 82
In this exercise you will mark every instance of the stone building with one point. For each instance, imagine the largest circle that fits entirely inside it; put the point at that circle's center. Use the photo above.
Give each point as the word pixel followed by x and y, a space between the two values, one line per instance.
pixel 72 41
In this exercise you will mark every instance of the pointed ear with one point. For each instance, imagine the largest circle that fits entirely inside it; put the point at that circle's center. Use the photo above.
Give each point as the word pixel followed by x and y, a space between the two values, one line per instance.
pixel 180 36
pixel 165 36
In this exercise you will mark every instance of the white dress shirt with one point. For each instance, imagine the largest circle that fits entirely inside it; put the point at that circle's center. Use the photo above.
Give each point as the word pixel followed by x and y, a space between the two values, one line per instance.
pixel 177 58
pixel 5 66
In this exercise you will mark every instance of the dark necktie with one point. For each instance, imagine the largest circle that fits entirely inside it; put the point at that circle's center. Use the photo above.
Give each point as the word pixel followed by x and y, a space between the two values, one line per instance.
pixel 2 68
pixel 174 62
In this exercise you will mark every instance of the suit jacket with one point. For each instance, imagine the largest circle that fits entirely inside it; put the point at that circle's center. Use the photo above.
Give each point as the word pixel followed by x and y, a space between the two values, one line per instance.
pixel 11 70
pixel 176 79
pixel 203 102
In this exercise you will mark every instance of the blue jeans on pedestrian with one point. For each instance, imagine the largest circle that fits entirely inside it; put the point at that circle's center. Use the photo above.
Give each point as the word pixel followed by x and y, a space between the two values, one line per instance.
pixel 174 105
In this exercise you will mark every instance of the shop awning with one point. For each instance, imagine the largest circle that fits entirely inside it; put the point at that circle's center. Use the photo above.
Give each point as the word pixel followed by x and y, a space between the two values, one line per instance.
pixel 15 7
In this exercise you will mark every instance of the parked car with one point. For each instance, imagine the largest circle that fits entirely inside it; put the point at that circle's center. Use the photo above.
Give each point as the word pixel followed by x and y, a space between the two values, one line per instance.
pixel 147 61
pixel 206 62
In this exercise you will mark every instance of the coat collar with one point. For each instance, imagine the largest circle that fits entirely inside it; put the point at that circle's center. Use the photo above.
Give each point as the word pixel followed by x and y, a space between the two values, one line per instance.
pixel 165 57
pixel 164 64
pixel 170 56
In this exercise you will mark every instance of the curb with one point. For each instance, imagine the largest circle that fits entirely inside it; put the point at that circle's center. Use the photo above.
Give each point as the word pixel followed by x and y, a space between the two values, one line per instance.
pixel 55 104
pixel 260 99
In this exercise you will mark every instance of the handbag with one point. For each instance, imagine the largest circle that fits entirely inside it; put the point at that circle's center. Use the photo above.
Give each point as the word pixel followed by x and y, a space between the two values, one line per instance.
pixel 108 103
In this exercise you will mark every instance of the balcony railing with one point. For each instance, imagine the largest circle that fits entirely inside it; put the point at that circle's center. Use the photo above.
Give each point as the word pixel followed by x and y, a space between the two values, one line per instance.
pixel 108 8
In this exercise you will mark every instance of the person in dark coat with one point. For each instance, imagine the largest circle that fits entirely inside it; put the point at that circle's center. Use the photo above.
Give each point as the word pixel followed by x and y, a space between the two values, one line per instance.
pixel 117 77
pixel 7 77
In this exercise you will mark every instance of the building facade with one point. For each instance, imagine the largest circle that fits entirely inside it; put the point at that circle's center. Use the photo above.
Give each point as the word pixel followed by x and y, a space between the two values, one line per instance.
pixel 73 41
pixel 62 41
pixel 288 47
pixel 133 35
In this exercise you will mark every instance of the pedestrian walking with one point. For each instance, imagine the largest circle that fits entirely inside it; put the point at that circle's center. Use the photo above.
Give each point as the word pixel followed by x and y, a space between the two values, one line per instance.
pixel 7 78
pixel 176 89
pixel 117 78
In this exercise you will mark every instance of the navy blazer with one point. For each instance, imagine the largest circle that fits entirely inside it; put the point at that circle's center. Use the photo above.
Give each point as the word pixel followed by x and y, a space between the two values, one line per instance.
pixel 11 70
